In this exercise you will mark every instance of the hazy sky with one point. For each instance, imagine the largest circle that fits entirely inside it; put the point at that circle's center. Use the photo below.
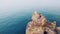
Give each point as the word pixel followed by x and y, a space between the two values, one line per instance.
pixel 12 6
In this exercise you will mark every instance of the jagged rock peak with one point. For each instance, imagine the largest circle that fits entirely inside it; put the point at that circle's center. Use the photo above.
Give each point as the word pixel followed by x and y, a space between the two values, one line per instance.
pixel 40 25
pixel 39 18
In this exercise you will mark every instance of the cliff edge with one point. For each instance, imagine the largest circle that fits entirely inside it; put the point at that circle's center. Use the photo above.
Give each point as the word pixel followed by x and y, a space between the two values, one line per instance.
pixel 40 25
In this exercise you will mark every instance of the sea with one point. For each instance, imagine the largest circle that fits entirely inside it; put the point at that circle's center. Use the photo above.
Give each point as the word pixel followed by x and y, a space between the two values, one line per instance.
pixel 16 22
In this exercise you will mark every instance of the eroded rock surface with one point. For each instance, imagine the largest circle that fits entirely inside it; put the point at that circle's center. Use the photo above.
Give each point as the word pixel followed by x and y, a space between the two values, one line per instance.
pixel 40 25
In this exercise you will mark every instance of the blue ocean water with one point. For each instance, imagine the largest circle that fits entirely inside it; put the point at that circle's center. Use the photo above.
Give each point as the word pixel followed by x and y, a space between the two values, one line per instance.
pixel 16 24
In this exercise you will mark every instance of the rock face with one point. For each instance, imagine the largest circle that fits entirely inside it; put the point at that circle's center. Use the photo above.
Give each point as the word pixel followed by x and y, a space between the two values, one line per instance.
pixel 40 25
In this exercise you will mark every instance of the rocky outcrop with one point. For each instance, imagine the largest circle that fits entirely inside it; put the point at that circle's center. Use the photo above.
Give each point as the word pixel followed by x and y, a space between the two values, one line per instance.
pixel 40 25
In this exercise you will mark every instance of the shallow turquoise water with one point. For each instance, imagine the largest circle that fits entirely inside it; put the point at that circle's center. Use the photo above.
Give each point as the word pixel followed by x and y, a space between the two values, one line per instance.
pixel 16 24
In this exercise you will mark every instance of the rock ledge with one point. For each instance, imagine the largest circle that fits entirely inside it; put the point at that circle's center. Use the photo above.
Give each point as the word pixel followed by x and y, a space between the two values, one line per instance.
pixel 40 25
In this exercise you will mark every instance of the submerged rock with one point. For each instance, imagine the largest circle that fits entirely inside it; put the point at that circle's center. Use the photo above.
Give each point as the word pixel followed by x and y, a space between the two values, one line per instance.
pixel 40 25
